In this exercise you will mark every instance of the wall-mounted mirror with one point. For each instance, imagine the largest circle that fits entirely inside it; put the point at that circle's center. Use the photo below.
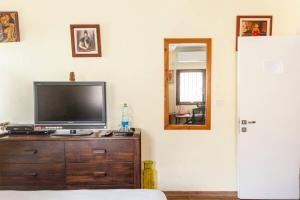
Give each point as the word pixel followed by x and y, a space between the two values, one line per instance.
pixel 187 83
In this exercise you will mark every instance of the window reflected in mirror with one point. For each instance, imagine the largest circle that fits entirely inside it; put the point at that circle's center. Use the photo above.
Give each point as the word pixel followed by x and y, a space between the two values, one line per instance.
pixel 187 66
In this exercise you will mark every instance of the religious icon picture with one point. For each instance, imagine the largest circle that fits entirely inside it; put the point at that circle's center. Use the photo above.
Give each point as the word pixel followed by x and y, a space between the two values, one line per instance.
pixel 85 40
pixel 9 27
pixel 248 26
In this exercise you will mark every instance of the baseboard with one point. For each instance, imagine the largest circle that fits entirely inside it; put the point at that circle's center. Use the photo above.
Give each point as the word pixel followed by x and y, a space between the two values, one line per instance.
pixel 197 195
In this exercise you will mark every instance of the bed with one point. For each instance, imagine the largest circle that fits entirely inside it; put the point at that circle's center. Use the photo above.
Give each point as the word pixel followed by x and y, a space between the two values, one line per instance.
pixel 84 195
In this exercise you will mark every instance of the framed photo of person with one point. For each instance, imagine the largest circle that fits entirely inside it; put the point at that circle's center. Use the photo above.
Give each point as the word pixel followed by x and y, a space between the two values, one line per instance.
pixel 9 27
pixel 251 26
pixel 85 39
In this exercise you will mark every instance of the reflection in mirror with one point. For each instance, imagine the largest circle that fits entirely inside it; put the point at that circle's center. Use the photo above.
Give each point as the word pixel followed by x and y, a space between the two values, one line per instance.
pixel 188 72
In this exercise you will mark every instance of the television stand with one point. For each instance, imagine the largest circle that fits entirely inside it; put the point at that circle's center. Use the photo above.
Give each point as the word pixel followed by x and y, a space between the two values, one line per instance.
pixel 72 132
pixel 43 162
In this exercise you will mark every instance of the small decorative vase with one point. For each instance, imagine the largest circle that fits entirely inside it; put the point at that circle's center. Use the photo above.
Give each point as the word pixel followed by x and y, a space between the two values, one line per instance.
pixel 149 175
pixel 72 76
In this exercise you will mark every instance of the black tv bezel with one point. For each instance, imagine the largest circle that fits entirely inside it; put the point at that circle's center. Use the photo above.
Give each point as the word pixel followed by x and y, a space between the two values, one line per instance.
pixel 70 124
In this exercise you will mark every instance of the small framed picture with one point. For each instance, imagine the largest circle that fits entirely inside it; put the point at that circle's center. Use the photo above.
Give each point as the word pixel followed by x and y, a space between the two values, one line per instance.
pixel 85 40
pixel 171 76
pixel 9 27
pixel 249 26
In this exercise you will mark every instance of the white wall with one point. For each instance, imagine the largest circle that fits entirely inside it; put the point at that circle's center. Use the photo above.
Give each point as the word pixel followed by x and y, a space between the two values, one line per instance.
pixel 132 37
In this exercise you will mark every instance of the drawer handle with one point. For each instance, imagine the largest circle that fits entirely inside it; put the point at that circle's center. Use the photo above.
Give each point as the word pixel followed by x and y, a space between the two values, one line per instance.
pixel 99 151
pixel 100 174
pixel 33 174
pixel 31 151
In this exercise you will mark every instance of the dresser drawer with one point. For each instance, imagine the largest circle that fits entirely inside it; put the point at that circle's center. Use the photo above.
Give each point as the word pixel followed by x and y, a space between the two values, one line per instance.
pixel 100 151
pixel 99 173
pixel 31 152
pixel 31 174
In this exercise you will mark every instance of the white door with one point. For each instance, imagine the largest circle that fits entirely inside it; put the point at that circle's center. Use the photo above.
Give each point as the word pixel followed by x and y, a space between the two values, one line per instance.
pixel 269 100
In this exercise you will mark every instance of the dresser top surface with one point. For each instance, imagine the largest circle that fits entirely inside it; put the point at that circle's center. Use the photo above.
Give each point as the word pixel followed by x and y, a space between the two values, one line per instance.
pixel 94 136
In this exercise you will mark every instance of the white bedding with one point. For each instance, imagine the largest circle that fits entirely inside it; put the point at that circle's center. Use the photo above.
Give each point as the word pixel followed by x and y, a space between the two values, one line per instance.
pixel 84 195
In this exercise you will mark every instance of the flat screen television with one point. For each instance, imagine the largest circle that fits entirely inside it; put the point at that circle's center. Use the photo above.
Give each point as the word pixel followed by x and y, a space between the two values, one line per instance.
pixel 70 105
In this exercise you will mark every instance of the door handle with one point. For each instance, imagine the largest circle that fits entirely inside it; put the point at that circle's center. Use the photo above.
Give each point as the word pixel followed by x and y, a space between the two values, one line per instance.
pixel 99 174
pixel 31 151
pixel 245 122
pixel 99 151
pixel 32 174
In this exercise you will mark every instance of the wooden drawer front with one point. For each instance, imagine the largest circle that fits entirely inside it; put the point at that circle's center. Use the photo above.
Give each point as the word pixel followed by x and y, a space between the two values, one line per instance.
pixel 123 173
pixel 99 173
pixel 31 152
pixel 31 174
pixel 99 151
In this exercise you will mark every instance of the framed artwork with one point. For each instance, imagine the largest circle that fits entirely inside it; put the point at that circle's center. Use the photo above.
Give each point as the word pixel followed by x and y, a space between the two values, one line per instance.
pixel 85 39
pixel 9 27
pixel 249 26
pixel 171 76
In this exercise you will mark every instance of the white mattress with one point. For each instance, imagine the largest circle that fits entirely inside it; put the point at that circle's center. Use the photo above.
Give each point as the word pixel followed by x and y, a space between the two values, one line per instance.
pixel 84 195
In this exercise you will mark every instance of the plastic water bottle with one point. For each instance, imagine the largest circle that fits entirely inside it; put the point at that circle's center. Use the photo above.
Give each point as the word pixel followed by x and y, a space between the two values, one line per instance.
pixel 125 118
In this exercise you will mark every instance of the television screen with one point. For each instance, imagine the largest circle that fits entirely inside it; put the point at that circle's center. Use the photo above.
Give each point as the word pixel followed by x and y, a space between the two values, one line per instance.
pixel 70 103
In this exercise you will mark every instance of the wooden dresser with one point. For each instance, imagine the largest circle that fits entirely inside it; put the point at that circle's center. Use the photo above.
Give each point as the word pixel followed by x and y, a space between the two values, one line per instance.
pixel 78 162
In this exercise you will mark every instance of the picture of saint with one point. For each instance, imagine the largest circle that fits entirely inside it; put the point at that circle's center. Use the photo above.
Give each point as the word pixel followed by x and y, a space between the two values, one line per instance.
pixel 9 30
pixel 254 28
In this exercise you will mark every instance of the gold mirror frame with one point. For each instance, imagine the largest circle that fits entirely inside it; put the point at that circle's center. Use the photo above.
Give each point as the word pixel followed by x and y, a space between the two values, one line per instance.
pixel 207 125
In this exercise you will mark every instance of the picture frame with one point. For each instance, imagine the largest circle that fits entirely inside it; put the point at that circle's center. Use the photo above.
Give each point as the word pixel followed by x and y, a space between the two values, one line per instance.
pixel 85 40
pixel 171 76
pixel 9 27
pixel 251 26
